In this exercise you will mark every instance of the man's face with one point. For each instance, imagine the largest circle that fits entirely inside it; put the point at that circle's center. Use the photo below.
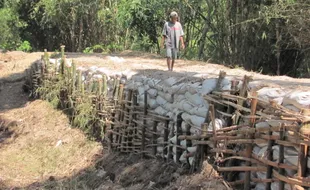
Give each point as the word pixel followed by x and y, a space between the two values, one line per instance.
pixel 174 19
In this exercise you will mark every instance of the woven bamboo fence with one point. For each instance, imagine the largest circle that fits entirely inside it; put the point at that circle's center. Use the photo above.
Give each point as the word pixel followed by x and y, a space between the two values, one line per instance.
pixel 251 123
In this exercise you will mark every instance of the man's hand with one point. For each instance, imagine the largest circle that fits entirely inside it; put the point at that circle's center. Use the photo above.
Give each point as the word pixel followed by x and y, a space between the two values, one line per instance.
pixel 162 46
pixel 183 46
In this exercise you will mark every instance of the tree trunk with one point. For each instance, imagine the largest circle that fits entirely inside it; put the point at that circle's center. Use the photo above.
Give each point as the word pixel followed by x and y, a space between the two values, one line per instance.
pixel 203 40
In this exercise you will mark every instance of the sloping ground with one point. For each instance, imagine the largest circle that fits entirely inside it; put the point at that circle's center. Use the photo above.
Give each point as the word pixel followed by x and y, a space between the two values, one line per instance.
pixel 38 144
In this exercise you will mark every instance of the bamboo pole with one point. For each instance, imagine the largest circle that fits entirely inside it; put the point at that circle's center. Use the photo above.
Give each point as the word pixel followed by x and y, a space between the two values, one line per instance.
pixel 269 158
pixel 154 137
pixel 73 77
pixel 178 132
pixel 63 58
pixel 249 147
pixel 166 134
pixel 144 122
pixel 281 160
pixel 105 86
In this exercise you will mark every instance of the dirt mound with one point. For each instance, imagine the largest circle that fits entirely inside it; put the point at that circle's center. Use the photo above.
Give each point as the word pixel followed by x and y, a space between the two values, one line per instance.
pixel 12 55
pixel 41 145
pixel 130 172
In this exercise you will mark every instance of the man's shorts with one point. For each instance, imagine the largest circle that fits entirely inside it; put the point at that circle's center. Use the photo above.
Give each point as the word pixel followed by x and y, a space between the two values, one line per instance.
pixel 172 53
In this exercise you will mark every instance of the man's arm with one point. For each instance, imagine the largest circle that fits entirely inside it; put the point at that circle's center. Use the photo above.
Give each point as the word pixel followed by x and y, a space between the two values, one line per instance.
pixel 181 37
pixel 182 42
pixel 163 42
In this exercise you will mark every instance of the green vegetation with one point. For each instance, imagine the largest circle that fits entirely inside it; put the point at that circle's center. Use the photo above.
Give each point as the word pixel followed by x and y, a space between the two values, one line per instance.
pixel 267 35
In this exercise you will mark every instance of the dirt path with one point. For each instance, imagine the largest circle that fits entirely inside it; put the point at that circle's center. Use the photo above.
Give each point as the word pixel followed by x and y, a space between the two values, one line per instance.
pixel 36 141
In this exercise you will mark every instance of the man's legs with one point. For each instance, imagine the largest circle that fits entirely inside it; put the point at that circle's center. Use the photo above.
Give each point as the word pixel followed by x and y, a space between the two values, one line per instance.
pixel 174 57
pixel 169 57
pixel 169 63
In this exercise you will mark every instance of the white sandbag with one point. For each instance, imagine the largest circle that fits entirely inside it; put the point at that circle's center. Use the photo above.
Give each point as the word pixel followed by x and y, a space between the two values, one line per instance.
pixel 97 76
pixel 170 81
pixel 260 186
pixel 152 103
pixel 219 124
pixel 177 89
pixel 200 111
pixel 208 86
pixel 179 98
pixel 170 114
pixel 183 105
pixel 159 86
pixel 196 120
pixel 166 96
pixel 160 149
pixel 183 158
pixel 276 186
pixel 184 127
pixel 183 143
pixel 152 92
pixel 276 123
pixel 256 150
pixel 146 87
pixel 195 131
pixel 160 140
pixel 186 117
pixel 300 97
pixel 123 81
pixel 153 82
pixel 161 111
pixel 262 124
pixel 173 140
pixel 168 106
pixel 160 100
pixel 192 149
pixel 225 84
pixel 139 78
pixel 194 88
pixel 268 93
pixel 293 108
pixel 195 99
pixel 191 160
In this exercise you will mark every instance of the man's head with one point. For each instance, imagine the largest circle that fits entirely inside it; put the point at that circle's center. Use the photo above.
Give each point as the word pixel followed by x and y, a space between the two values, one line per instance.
pixel 173 16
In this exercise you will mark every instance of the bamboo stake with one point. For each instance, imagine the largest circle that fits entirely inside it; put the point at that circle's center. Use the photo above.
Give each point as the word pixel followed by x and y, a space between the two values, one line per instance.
pixel 178 132
pixel 249 147
pixel 154 137
pixel 281 160
pixel 144 122
pixel 105 86
pixel 62 63
pixel 73 77
pixel 269 158
pixel 166 134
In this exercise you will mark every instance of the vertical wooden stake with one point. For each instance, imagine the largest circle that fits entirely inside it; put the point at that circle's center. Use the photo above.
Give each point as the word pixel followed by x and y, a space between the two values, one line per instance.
pixel 144 123
pixel 281 156
pixel 79 84
pixel 249 147
pixel 179 132
pixel 73 77
pixel 105 86
pixel 100 87
pixel 269 157
pixel 63 58
pixel 154 138
pixel 166 134
pixel 134 116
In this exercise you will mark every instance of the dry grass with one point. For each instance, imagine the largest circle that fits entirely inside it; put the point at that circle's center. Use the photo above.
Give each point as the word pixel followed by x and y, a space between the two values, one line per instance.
pixel 13 64
pixel 31 155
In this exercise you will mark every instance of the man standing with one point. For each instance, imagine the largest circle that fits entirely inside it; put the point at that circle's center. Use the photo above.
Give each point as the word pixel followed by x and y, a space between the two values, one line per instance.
pixel 172 35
